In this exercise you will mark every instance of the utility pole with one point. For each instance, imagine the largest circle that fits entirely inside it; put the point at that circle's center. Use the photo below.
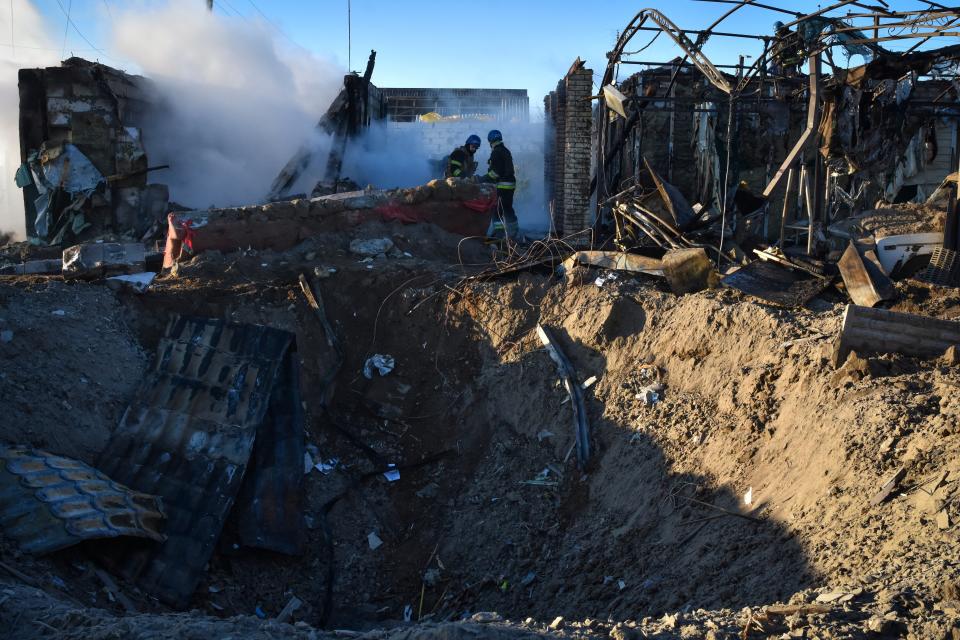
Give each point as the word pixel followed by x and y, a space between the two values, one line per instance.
pixel 210 6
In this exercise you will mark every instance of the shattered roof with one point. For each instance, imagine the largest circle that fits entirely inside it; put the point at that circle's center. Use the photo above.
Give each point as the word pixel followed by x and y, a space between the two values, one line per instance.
pixel 187 437
pixel 49 502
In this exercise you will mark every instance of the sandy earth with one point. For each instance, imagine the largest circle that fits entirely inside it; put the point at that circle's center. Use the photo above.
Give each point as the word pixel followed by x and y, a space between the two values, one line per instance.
pixel 653 538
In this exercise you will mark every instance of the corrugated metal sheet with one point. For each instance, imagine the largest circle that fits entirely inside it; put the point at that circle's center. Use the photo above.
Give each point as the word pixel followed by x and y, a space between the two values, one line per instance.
pixel 269 510
pixel 775 284
pixel 48 502
pixel 187 437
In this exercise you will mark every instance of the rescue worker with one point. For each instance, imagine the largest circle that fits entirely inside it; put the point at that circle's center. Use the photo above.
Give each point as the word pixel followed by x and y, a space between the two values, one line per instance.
pixel 460 163
pixel 501 174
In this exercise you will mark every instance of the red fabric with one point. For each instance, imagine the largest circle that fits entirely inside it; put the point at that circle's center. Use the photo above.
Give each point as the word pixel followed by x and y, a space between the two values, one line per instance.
pixel 481 205
pixel 392 211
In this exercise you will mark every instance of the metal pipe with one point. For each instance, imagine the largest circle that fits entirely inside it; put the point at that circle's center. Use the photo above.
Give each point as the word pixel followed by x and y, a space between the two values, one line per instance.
pixel 786 205
pixel 819 12
pixel 808 199
pixel 813 108
pixel 700 32
pixel 673 118
pixel 669 63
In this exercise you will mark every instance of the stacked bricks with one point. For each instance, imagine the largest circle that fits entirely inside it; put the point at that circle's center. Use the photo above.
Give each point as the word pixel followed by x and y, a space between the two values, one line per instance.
pixel 569 141
pixel 576 153
pixel 554 132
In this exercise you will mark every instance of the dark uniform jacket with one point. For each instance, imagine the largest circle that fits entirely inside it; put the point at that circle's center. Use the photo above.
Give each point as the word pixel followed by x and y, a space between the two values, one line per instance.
pixel 501 167
pixel 460 164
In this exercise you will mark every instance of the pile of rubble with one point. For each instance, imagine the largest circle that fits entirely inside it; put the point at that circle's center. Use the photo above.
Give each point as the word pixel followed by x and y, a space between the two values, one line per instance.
pixel 354 415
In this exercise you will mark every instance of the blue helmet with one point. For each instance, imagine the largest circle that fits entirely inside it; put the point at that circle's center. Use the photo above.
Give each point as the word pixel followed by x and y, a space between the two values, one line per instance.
pixel 494 136
pixel 473 139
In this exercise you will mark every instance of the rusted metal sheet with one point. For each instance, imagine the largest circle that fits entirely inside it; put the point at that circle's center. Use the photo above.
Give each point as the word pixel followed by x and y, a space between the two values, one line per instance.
pixel 775 284
pixel 269 510
pixel 49 502
pixel 187 437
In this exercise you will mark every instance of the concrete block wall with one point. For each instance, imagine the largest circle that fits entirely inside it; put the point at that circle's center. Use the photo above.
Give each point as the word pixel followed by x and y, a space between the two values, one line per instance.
pixel 569 143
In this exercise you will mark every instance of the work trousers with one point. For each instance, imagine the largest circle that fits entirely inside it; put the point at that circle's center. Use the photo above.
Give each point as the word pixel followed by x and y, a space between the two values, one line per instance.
pixel 504 217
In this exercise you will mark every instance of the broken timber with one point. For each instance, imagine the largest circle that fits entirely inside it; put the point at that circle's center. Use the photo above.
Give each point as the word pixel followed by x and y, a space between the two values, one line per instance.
pixel 881 331
pixel 617 261
pixel 574 389
pixel 889 487
pixel 866 283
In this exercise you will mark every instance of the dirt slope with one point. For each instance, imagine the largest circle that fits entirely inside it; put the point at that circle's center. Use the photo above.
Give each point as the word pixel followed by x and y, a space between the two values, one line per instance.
pixel 656 524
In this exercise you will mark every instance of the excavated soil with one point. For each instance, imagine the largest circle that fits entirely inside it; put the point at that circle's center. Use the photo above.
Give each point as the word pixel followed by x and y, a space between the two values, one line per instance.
pixel 748 482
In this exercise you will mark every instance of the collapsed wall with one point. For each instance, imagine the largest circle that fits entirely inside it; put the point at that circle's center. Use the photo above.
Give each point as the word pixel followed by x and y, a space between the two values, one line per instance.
pixel 457 206
pixel 85 168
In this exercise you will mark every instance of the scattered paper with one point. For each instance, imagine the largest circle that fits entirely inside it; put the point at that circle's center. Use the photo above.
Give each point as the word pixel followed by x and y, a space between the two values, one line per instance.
pixel 748 497
pixel 58 312
pixel 649 396
pixel 604 279
pixel 407 613
pixel 384 364
pixel 328 466
pixel 374 540
pixel 393 474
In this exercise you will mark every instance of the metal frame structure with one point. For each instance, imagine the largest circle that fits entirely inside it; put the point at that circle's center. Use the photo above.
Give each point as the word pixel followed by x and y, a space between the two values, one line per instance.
pixel 863 25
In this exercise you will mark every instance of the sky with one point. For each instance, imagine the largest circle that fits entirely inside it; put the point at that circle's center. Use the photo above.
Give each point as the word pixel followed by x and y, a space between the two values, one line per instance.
pixel 511 44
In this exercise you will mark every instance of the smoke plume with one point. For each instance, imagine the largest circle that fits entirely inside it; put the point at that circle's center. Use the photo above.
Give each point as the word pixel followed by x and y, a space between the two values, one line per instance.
pixel 35 49
pixel 236 102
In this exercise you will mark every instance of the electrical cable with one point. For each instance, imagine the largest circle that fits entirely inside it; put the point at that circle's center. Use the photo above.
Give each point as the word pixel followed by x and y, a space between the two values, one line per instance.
pixel 644 47
pixel 274 25
pixel 71 23
pixel 726 179
pixel 107 5
pixel 66 28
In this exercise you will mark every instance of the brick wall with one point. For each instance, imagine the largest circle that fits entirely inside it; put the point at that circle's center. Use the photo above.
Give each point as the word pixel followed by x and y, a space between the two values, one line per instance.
pixel 568 141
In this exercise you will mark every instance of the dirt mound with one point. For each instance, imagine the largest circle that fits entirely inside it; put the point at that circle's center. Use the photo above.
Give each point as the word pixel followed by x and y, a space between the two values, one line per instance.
pixel 894 219
pixel 69 364
pixel 745 481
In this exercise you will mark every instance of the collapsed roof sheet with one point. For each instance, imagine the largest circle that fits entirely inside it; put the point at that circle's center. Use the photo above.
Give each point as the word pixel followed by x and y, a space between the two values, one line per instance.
pixel 49 502
pixel 269 509
pixel 188 436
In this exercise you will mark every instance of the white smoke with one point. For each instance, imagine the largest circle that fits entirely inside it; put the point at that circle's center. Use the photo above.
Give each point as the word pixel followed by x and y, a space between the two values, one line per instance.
pixel 237 100
pixel 405 154
pixel 35 49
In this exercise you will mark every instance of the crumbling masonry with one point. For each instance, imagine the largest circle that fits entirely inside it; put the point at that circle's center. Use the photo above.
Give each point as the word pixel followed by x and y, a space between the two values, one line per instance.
pixel 569 118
